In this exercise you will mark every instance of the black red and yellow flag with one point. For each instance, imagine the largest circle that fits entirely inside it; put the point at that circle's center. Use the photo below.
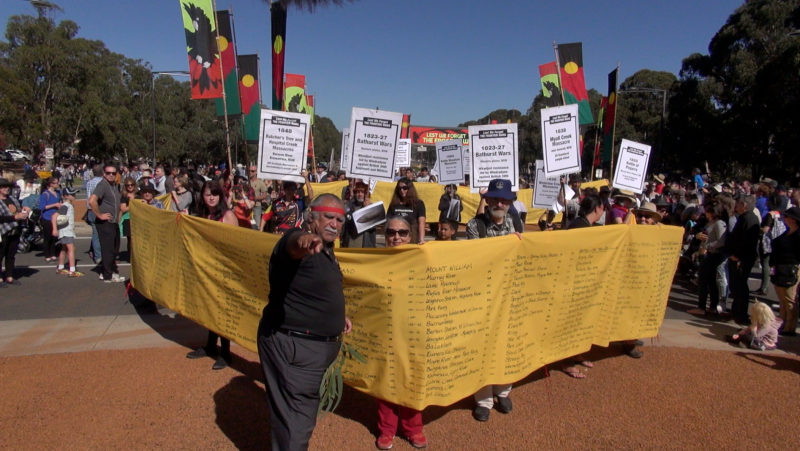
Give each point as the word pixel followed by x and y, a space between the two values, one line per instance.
pixel 598 145
pixel 551 87
pixel 405 126
pixel 570 59
pixel 250 96
pixel 201 48
pixel 610 114
pixel 228 51
pixel 278 11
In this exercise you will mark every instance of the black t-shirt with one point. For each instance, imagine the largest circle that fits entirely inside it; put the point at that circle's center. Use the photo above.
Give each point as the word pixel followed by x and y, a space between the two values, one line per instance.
pixel 414 213
pixel 579 223
pixel 305 295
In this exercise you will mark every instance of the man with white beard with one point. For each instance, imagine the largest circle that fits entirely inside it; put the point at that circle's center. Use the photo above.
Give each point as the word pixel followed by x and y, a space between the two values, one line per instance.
pixel 496 221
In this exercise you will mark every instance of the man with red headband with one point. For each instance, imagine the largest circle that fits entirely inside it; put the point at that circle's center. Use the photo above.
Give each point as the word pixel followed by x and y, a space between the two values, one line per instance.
pixel 300 330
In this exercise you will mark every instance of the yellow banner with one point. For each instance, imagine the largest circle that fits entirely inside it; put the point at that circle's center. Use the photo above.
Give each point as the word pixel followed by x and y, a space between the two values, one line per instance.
pixel 435 322
pixel 430 193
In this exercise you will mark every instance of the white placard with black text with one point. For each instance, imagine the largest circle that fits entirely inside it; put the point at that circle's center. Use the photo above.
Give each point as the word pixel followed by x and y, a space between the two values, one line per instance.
pixel 373 144
pixel 494 155
pixel 344 157
pixel 630 172
pixel 450 157
pixel 467 158
pixel 546 189
pixel 282 145
pixel 561 140
pixel 403 158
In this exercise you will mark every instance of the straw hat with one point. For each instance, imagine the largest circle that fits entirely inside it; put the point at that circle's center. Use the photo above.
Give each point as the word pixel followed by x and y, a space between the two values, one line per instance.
pixel 626 194
pixel 648 209
pixel 660 178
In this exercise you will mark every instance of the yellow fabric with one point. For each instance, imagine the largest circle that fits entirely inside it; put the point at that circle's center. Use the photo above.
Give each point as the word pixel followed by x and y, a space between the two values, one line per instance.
pixel 436 322
pixel 430 193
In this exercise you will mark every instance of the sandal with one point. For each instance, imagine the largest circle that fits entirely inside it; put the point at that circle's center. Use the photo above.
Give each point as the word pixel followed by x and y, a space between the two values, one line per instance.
pixel 573 372
pixel 696 311
pixel 581 360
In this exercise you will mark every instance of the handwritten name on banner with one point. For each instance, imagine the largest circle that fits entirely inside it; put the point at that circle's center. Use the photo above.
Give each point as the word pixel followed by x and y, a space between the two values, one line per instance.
pixel 435 322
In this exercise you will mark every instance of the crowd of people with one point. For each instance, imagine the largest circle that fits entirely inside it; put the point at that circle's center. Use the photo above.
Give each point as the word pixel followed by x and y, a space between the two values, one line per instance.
pixel 728 228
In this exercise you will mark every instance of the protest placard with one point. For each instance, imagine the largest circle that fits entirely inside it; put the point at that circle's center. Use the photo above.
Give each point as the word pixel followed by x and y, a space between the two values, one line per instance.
pixel 494 155
pixel 345 152
pixel 373 144
pixel 283 140
pixel 546 189
pixel 449 157
pixel 561 140
pixel 403 158
pixel 466 158
pixel 631 170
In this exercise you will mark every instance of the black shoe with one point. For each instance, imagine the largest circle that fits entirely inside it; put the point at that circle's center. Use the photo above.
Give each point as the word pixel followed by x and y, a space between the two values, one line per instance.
pixel 220 364
pixel 3 284
pixel 639 343
pixel 504 405
pixel 481 413
pixel 631 351
pixel 730 339
pixel 199 353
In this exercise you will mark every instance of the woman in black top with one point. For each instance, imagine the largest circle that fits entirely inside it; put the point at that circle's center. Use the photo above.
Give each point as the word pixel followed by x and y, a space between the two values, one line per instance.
pixel 405 202
pixel 785 259
pixel 444 205
pixel 11 215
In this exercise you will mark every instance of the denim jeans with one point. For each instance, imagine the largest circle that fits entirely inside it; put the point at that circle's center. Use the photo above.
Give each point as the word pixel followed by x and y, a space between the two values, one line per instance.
pixel 95 247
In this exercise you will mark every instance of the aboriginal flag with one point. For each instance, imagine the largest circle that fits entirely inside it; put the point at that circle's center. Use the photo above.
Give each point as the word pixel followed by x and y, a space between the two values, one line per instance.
pixel 278 55
pixel 610 114
pixel 570 58
pixel 228 51
pixel 250 96
pixel 404 128
pixel 294 93
pixel 551 88
pixel 201 47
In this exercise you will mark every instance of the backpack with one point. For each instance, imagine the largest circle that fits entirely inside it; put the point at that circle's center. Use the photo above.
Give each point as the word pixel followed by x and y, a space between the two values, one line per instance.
pixel 482 220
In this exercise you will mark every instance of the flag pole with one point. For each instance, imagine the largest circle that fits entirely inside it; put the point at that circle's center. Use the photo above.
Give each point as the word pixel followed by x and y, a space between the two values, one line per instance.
pixel 614 130
pixel 594 157
pixel 242 120
pixel 224 101
pixel 311 137
pixel 558 72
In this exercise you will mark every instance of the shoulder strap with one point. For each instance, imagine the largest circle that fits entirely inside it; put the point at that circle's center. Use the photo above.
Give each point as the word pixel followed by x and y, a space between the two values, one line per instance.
pixel 518 226
pixel 481 223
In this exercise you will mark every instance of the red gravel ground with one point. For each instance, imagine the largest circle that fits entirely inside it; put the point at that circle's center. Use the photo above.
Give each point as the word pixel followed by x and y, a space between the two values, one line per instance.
pixel 157 399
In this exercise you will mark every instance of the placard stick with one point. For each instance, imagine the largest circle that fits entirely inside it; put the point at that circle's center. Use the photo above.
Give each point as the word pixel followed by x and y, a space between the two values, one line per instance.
pixel 558 72
pixel 614 130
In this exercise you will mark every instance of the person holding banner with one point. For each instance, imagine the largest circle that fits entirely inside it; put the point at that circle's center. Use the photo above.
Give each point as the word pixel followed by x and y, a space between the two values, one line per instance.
pixel 399 231
pixel 286 213
pixel 495 222
pixel 212 207
pixel 406 202
pixel 350 236
pixel 300 330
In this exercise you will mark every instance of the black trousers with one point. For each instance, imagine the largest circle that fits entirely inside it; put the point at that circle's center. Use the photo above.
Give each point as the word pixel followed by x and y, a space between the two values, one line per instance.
pixel 48 240
pixel 740 290
pixel 293 369
pixel 8 252
pixel 108 232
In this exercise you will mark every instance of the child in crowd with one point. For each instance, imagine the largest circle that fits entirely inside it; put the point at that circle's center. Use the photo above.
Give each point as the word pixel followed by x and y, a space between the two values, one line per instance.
pixel 762 333
pixel 447 230
pixel 64 229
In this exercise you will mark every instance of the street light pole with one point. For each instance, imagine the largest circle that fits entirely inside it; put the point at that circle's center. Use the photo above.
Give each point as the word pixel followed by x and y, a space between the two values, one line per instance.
pixel 174 73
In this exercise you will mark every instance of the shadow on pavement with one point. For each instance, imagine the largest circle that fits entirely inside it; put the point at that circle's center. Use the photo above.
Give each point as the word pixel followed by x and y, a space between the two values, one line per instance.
pixel 243 414
pixel 776 362
pixel 178 329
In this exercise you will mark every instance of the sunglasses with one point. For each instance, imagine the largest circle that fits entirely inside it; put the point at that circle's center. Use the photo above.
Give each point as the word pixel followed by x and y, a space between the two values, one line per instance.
pixel 111 173
pixel 402 232
pixel 404 188
pixel 129 184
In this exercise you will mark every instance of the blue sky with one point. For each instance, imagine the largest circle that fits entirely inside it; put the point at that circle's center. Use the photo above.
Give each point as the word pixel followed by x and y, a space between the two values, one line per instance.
pixel 444 62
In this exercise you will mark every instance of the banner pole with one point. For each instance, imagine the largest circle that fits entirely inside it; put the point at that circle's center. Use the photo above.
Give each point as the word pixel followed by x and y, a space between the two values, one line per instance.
pixel 558 72
pixel 224 101
pixel 614 130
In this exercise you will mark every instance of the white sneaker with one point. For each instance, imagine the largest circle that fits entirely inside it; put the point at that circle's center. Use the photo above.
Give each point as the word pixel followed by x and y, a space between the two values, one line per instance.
pixel 117 278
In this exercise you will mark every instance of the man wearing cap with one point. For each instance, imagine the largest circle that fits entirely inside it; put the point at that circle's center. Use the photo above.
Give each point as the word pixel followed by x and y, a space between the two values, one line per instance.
pixel 299 333
pixel 319 176
pixel 495 221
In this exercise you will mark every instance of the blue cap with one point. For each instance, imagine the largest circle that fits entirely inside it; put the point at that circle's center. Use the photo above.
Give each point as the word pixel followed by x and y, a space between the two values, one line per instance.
pixel 500 188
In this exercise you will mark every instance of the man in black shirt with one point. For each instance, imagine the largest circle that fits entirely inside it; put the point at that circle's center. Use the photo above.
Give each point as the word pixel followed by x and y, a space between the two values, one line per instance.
pixel 298 337
pixel 742 247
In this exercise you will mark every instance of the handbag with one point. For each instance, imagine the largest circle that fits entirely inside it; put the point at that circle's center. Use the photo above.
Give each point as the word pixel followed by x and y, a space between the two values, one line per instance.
pixel 784 276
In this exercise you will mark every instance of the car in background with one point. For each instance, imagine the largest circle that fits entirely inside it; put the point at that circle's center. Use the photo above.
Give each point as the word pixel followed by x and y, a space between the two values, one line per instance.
pixel 18 155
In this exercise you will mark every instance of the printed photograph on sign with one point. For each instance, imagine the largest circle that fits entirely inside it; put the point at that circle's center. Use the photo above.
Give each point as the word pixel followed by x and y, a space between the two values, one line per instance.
pixel 546 189
pixel 374 135
pixel 369 217
pixel 631 170
pixel 283 140
pixel 345 154
pixel 561 140
pixel 494 155
pixel 449 158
